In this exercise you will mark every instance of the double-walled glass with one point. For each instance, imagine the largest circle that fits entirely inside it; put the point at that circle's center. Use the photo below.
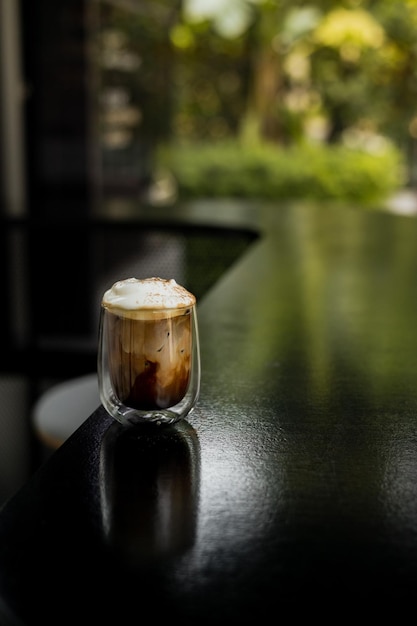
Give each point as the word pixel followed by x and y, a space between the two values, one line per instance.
pixel 149 362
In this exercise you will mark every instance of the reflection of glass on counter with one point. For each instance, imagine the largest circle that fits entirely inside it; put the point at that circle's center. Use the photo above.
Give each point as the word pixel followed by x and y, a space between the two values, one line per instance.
pixel 149 481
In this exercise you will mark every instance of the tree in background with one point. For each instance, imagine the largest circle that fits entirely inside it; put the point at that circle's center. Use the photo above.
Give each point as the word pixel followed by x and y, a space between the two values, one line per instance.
pixel 289 71
pixel 280 73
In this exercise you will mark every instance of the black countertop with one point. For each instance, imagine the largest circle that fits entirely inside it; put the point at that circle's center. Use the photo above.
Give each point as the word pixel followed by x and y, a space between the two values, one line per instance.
pixel 293 484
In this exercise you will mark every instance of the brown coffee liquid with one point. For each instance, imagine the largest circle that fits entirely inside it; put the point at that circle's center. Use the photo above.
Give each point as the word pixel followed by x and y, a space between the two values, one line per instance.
pixel 150 359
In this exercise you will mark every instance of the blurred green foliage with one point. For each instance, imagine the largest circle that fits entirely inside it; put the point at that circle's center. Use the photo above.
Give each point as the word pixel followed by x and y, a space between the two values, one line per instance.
pixel 265 98
pixel 319 172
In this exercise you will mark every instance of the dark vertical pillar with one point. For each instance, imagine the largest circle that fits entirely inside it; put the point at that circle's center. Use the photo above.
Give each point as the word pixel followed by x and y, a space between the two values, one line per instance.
pixel 56 66
pixel 56 71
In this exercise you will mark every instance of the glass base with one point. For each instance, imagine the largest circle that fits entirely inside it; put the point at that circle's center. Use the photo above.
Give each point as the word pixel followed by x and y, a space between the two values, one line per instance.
pixel 128 415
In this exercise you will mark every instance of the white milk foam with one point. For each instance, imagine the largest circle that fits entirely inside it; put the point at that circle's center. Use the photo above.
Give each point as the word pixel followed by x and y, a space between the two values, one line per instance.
pixel 131 296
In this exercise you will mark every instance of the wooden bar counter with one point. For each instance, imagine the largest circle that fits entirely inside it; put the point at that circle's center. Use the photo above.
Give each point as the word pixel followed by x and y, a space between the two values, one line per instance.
pixel 290 491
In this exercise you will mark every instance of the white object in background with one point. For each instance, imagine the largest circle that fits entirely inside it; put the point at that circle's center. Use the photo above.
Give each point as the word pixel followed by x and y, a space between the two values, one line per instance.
pixel 60 410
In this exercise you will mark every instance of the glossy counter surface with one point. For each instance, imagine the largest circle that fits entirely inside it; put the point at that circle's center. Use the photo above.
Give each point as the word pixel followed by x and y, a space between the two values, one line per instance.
pixel 292 486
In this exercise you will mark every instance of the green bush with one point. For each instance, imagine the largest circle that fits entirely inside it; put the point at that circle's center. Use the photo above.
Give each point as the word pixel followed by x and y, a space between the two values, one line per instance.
pixel 266 171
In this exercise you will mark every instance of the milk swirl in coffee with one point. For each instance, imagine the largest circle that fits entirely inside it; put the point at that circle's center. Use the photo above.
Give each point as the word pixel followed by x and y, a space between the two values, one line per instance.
pixel 149 341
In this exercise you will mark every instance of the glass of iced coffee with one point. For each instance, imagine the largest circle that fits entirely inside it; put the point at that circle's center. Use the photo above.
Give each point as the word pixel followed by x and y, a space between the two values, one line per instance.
pixel 148 351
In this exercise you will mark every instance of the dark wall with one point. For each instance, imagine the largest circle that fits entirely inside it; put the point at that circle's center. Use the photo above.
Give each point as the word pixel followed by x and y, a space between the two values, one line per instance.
pixel 54 39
